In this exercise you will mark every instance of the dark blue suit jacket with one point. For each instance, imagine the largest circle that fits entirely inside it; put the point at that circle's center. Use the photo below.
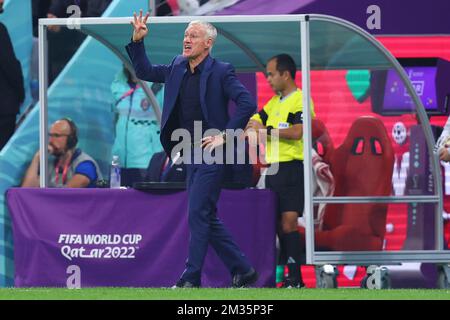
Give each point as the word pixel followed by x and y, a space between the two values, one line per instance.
pixel 218 84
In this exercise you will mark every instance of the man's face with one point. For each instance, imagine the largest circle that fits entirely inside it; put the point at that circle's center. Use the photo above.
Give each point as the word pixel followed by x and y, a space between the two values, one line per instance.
pixel 59 132
pixel 276 80
pixel 195 42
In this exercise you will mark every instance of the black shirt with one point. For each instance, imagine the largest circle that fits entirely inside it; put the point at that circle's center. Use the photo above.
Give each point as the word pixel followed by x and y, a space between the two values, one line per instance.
pixel 188 102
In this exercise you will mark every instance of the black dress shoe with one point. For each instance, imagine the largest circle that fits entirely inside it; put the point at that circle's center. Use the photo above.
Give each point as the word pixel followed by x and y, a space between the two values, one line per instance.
pixel 185 284
pixel 245 280
pixel 293 284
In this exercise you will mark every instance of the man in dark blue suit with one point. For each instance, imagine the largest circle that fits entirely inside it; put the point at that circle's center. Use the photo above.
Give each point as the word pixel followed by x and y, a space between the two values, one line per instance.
pixel 197 91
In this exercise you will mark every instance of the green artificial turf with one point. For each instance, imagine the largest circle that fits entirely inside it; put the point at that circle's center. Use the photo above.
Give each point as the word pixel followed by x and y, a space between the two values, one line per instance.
pixel 220 294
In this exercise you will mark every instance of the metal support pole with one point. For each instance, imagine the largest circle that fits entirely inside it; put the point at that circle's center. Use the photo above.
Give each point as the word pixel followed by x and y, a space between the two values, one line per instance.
pixel 43 103
pixel 307 143
pixel 152 7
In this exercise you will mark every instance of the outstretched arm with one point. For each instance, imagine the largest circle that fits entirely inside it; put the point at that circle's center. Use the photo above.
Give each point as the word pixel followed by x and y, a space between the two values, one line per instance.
pixel 136 51
pixel 245 103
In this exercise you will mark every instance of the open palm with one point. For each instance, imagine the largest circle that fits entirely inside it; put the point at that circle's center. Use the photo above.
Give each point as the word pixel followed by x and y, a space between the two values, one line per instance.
pixel 140 26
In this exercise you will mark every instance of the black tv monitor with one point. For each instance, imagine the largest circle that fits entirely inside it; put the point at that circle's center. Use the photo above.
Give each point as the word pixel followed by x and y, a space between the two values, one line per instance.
pixel 430 78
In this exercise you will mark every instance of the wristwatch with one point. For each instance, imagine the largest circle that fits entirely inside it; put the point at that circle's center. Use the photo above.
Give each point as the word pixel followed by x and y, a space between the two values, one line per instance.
pixel 224 136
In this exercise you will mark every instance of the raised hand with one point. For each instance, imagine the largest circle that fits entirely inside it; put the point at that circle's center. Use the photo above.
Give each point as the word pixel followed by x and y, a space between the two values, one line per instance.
pixel 139 24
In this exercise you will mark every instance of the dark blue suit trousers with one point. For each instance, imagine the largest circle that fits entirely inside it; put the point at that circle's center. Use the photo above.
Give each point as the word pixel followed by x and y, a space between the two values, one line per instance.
pixel 204 186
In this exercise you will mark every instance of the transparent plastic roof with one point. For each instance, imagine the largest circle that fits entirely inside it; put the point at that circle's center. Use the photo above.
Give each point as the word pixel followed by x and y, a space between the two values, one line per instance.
pixel 249 44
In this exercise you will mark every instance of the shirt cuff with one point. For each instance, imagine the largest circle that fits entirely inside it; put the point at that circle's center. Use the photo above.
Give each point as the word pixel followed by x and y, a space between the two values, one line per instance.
pixel 132 41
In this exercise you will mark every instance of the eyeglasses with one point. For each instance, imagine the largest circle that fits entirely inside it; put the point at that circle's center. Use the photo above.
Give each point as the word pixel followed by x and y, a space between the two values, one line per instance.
pixel 57 135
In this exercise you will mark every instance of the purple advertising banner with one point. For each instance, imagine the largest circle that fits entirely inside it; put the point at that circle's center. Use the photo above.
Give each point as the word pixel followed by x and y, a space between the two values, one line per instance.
pixel 423 80
pixel 412 17
pixel 129 238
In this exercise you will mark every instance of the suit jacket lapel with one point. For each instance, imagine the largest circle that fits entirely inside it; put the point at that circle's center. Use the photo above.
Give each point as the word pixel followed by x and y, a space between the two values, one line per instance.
pixel 175 84
pixel 203 81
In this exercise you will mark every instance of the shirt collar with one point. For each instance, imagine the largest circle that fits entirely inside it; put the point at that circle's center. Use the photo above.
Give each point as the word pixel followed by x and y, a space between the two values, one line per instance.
pixel 201 66
pixel 290 94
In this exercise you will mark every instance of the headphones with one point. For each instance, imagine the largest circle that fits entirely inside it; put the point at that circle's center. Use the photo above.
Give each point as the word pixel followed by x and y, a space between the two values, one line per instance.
pixel 72 139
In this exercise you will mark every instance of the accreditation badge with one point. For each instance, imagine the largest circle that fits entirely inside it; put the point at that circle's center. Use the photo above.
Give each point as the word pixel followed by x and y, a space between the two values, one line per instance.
pixel 283 125
pixel 145 104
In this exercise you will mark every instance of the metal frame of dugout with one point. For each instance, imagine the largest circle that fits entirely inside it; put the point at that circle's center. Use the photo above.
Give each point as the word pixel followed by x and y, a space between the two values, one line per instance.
pixel 242 42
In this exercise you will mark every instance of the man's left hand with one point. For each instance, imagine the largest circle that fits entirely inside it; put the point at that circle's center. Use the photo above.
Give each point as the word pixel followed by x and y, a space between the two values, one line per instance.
pixel 212 142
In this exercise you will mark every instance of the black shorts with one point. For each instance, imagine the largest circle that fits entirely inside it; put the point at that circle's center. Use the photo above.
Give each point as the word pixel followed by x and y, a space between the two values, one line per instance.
pixel 288 185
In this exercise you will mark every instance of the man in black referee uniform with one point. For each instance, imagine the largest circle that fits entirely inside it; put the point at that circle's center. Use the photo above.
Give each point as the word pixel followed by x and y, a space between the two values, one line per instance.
pixel 281 121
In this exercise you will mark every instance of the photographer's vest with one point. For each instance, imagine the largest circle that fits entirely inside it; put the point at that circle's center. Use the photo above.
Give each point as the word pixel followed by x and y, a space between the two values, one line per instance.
pixel 59 176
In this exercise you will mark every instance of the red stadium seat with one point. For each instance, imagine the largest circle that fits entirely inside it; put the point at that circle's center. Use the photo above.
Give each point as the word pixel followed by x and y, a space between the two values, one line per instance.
pixel 322 140
pixel 361 166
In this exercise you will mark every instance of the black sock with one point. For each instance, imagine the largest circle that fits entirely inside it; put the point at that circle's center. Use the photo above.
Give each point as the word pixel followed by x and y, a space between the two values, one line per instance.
pixel 281 257
pixel 293 254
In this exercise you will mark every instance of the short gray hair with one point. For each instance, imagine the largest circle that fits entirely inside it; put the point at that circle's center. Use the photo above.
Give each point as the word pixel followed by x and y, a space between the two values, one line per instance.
pixel 211 31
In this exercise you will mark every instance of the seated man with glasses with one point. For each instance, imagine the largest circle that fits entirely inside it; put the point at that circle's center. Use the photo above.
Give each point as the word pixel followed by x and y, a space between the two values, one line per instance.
pixel 69 166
